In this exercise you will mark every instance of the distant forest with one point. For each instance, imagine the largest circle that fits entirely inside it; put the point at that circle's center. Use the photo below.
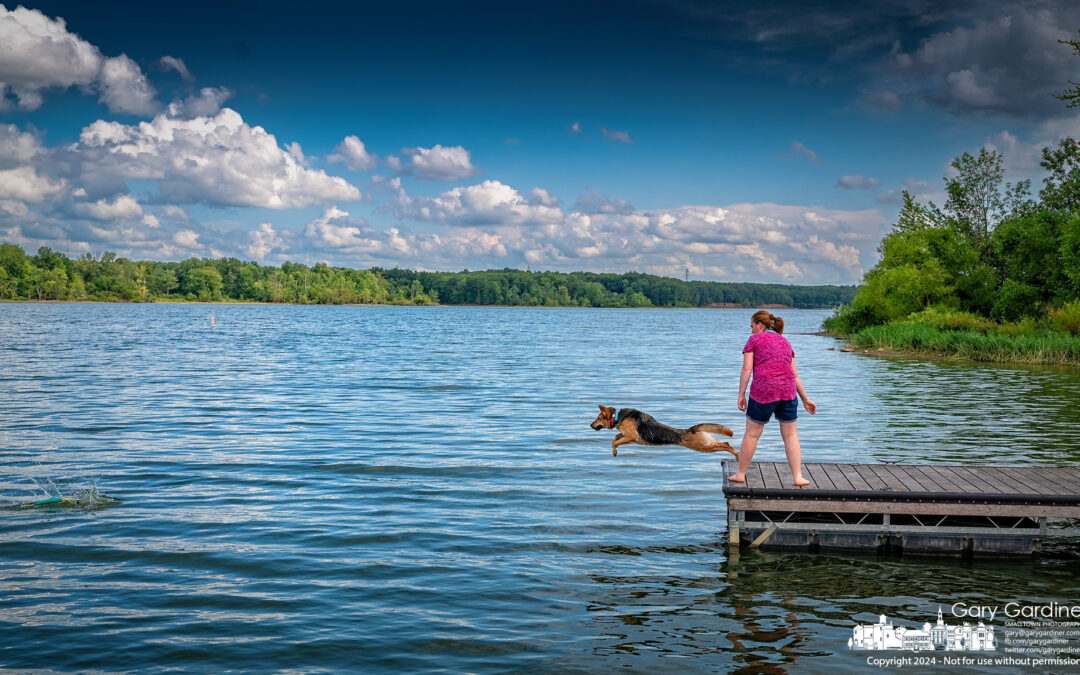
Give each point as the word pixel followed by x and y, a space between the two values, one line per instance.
pixel 51 275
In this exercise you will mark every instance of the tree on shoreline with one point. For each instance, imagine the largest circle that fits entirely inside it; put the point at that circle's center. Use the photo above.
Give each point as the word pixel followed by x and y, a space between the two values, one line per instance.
pixel 991 252
pixel 1071 96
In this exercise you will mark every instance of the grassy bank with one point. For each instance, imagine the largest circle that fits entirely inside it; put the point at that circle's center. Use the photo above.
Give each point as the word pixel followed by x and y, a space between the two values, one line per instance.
pixel 921 339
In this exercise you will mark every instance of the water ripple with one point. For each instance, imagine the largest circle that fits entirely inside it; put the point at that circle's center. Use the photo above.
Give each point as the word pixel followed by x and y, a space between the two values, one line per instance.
pixel 333 489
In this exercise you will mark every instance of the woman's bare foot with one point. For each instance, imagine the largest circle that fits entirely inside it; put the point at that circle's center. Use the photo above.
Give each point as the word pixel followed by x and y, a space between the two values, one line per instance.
pixel 736 478
pixel 800 481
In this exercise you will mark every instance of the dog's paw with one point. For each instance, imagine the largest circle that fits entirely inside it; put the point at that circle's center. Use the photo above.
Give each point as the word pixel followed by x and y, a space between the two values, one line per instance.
pixel 614 451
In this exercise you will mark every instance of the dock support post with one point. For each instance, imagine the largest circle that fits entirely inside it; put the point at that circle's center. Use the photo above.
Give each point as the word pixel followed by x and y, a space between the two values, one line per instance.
pixel 733 515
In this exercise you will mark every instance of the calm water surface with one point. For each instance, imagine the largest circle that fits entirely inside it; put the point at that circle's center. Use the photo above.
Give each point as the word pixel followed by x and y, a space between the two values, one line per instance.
pixel 387 489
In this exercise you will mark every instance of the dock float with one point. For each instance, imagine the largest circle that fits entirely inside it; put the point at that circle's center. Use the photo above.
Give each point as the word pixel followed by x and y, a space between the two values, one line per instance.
pixel 903 508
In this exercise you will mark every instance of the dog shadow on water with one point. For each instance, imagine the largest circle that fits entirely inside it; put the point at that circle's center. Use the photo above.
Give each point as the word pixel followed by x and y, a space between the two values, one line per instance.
pixel 641 428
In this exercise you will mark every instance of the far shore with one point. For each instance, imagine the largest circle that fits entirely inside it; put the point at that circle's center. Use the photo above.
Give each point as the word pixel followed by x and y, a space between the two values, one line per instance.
pixel 374 304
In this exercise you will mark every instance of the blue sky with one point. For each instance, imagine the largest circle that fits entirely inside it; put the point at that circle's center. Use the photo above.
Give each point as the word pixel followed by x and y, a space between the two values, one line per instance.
pixel 765 144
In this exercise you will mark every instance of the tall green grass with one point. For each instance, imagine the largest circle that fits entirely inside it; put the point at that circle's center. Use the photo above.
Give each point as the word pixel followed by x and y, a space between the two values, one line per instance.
pixel 1028 346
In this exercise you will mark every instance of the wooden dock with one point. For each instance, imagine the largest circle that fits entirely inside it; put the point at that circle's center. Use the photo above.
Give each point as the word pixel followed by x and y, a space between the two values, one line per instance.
pixel 903 508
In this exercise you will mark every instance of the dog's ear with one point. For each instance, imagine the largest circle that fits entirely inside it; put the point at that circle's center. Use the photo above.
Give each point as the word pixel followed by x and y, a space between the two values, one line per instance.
pixel 608 411
pixel 602 407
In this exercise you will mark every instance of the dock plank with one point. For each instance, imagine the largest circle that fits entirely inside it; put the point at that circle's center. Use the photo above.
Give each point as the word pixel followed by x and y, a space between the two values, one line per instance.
pixel 1061 480
pixel 892 482
pixel 1068 483
pixel 1014 484
pixel 753 477
pixel 1069 472
pixel 836 475
pixel 871 478
pixel 760 474
pixel 972 484
pixel 857 481
pixel 817 476
pixel 772 476
pixel 939 478
pixel 1024 485
pixel 1067 478
pixel 915 481
pixel 1003 482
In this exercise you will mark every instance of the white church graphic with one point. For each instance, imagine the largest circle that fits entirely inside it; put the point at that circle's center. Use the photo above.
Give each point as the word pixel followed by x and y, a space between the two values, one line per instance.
pixel 883 635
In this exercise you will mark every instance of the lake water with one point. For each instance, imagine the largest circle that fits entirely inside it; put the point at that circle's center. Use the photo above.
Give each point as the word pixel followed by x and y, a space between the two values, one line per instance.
pixel 392 489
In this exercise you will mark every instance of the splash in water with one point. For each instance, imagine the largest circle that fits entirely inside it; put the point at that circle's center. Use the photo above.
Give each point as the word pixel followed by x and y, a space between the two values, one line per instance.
pixel 83 498
pixel 91 498
pixel 86 498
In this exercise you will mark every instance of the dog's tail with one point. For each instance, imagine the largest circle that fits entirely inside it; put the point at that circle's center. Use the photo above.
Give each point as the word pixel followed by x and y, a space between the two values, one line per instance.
pixel 712 429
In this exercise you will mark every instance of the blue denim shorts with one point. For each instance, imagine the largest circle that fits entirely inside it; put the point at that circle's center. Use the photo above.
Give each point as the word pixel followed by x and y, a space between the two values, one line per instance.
pixel 785 411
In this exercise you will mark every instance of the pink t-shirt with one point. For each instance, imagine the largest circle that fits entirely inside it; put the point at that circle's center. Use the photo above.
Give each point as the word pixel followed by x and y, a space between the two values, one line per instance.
pixel 774 380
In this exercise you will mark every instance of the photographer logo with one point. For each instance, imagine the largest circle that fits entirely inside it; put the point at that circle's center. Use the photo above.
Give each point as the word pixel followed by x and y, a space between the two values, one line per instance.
pixel 884 635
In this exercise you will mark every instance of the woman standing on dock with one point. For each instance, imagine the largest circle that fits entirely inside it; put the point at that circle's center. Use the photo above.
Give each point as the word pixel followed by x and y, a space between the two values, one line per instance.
pixel 769 357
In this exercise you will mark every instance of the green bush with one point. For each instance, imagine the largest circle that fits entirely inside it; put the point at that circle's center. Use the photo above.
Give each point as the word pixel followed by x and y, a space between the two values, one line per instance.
pixel 848 320
pixel 1067 318
pixel 1028 325
pixel 1016 300
pixel 944 318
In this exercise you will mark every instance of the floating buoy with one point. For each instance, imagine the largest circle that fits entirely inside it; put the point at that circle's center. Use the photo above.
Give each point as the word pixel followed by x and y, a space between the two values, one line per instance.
pixel 211 320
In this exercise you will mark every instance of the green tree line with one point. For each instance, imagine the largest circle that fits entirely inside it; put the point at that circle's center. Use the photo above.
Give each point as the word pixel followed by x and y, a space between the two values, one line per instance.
pixel 51 275
pixel 993 255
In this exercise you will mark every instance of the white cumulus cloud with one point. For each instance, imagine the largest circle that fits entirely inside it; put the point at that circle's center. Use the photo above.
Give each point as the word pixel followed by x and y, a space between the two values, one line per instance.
pixel 125 89
pixel 264 240
pixel 541 196
pixel 24 184
pixel 441 162
pixel 188 239
pixel 335 230
pixel 217 160
pixel 488 202
pixel 493 224
pixel 38 53
pixel 353 154
pixel 17 147
pixel 206 103
pixel 124 206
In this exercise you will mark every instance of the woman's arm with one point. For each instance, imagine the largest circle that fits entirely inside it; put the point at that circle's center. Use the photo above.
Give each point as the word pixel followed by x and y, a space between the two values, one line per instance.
pixel 744 377
pixel 810 406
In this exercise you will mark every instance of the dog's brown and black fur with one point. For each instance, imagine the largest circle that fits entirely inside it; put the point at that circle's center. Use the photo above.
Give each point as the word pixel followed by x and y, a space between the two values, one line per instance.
pixel 635 426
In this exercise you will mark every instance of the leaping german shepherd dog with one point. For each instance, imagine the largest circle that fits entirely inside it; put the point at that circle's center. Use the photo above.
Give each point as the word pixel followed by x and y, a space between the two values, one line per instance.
pixel 637 427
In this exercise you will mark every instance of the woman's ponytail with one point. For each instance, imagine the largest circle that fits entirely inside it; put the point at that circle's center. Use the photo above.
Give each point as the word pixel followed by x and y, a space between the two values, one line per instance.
pixel 771 322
